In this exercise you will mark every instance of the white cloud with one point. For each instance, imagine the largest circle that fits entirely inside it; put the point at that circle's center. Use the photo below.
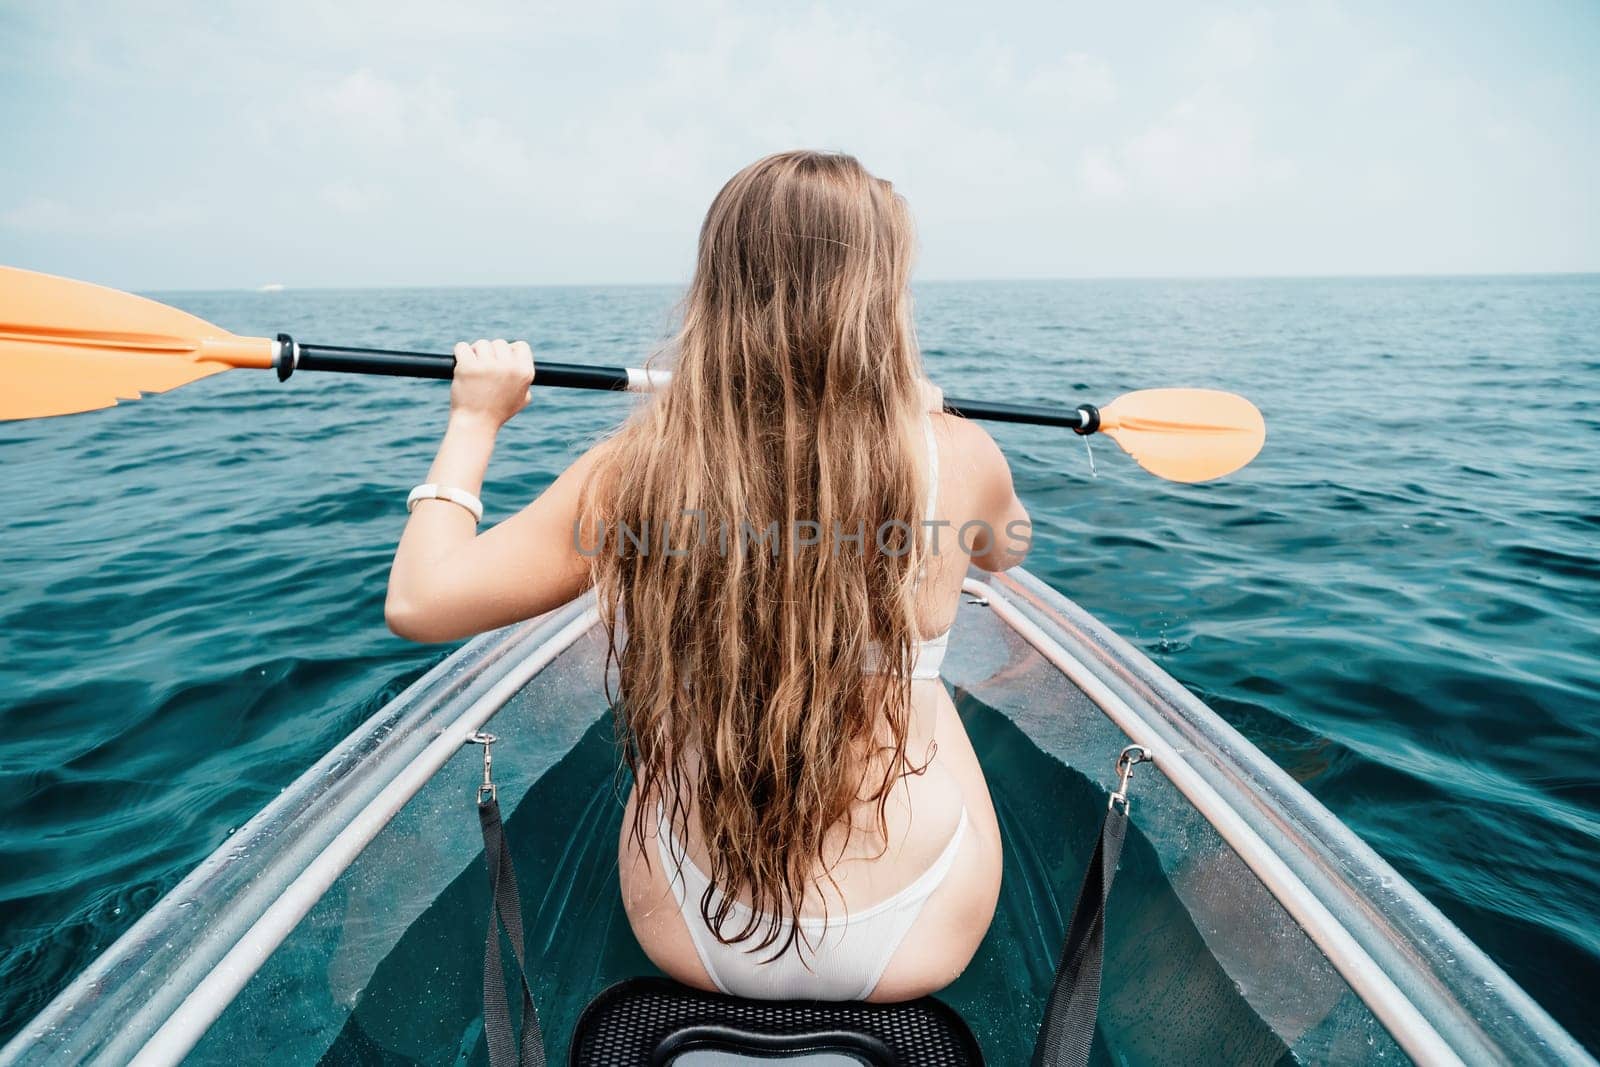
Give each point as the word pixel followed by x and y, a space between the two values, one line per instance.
pixel 397 127
pixel 1205 150
pixel 354 198
pixel 368 106
pixel 49 215
pixel 1232 42
pixel 42 214
pixel 1079 80
pixel 1099 177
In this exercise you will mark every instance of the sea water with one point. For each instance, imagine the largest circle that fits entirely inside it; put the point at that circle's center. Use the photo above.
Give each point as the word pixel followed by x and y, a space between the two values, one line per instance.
pixel 1397 601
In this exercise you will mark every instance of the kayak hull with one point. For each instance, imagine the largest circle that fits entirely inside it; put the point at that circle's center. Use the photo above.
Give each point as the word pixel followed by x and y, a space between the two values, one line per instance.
pixel 1249 901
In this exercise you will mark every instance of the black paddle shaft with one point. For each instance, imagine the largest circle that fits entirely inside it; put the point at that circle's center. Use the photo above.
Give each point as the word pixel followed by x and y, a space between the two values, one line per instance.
pixel 1083 419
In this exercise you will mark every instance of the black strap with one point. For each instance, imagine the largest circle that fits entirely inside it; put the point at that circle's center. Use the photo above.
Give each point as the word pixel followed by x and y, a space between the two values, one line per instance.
pixel 1069 1017
pixel 505 906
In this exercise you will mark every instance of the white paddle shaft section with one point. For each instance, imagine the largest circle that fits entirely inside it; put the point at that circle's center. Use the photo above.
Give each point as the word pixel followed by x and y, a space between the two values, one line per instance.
pixel 186 1026
pixel 1411 1031
pixel 641 380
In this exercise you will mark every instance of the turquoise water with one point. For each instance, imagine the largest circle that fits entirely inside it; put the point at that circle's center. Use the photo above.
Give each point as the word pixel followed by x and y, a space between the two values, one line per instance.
pixel 1397 600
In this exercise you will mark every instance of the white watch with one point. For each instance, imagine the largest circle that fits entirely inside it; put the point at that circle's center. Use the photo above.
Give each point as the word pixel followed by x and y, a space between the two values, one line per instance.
pixel 433 491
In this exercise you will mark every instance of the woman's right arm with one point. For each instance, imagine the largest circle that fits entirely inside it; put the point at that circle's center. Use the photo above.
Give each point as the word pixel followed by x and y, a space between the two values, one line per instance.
pixel 995 503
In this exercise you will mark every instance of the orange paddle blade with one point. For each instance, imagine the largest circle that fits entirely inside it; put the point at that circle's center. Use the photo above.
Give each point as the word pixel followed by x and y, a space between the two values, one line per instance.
pixel 1185 435
pixel 68 346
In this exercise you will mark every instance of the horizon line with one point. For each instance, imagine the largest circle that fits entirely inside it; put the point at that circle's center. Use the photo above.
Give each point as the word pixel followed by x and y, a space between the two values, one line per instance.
pixel 1054 279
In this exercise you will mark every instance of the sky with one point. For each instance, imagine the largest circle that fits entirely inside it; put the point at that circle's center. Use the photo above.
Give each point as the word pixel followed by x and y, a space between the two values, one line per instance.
pixel 377 143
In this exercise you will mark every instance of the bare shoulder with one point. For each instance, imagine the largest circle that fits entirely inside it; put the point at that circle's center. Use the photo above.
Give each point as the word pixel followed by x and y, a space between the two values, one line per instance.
pixel 587 487
pixel 971 454
pixel 591 478
pixel 592 463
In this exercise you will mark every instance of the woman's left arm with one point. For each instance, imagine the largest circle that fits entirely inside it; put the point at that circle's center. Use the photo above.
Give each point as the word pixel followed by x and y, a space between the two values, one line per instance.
pixel 448 581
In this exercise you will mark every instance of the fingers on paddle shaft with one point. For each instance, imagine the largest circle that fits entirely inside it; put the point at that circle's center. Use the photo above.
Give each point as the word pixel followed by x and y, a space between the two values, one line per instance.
pixel 492 378
pixel 1185 435
pixel 68 346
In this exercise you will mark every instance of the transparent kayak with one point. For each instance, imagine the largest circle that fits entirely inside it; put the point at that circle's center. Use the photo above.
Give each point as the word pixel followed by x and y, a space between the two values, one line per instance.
pixel 345 922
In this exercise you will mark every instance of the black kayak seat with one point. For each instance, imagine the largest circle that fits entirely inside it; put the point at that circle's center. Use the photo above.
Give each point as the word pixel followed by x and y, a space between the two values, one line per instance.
pixel 656 1022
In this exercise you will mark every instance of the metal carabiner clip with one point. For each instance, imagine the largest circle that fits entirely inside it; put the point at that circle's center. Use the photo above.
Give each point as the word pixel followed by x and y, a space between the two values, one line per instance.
pixel 487 741
pixel 1127 760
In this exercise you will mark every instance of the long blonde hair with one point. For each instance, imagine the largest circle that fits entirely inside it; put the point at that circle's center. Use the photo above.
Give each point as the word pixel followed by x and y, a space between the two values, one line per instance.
pixel 771 677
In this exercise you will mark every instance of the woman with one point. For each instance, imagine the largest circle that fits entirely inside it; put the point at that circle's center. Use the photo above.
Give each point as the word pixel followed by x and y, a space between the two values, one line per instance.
pixel 779 530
